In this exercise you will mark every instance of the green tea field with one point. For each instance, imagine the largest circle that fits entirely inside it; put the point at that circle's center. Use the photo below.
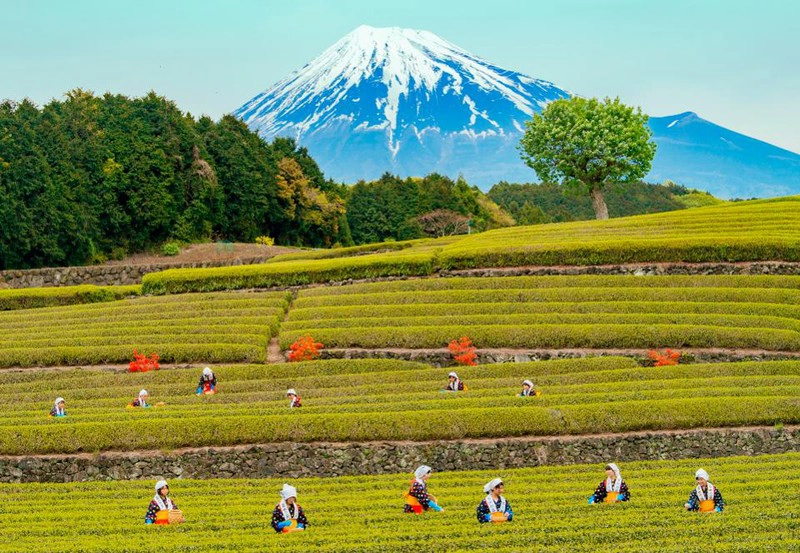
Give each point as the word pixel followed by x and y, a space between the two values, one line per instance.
pixel 364 400
pixel 364 514
pixel 554 312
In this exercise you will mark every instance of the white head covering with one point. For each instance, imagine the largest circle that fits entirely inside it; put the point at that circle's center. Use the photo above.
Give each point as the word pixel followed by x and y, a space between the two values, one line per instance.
pixel 710 490
pixel 453 374
pixel 421 471
pixel 288 491
pixel 617 484
pixel 528 382
pixel 59 400
pixel 291 391
pixel 207 372
pixel 163 504
pixel 492 484
pixel 143 392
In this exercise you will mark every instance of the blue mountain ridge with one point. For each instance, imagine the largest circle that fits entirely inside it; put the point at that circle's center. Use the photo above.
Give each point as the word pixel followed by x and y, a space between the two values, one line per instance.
pixel 410 103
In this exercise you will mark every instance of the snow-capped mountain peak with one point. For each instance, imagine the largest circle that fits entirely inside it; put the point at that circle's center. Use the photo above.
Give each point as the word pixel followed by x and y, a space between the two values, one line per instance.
pixel 412 103
pixel 386 79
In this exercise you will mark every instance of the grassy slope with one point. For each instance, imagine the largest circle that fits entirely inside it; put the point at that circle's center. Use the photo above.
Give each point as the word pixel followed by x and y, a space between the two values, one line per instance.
pixel 745 231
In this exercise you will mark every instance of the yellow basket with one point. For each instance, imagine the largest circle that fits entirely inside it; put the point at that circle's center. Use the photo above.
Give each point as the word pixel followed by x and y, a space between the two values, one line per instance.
pixel 707 506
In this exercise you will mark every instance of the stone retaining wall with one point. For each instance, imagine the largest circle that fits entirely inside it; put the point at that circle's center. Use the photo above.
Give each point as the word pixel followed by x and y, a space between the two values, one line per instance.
pixel 132 274
pixel 338 459
pixel 642 269
pixel 443 358
pixel 104 275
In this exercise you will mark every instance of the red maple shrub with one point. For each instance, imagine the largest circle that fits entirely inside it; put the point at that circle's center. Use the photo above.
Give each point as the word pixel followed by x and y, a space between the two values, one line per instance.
pixel 463 351
pixel 142 363
pixel 304 349
pixel 669 357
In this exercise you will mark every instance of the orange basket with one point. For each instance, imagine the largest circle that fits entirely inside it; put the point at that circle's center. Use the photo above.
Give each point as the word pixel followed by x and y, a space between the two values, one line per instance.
pixel 707 506
pixel 611 497
pixel 162 517
pixel 498 517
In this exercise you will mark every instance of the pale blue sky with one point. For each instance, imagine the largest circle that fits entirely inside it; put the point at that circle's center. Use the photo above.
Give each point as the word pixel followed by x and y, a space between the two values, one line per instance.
pixel 734 62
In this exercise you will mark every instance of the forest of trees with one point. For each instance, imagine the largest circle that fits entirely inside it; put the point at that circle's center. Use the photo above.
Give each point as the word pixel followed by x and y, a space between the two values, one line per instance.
pixel 392 208
pixel 532 204
pixel 86 178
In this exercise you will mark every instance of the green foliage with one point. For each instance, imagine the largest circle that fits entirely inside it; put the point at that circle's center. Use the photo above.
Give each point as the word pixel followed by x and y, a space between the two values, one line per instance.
pixel 27 298
pixel 588 145
pixel 86 177
pixel 170 249
pixel 265 241
pixel 698 199
pixel 188 328
pixel 366 400
pixel 742 231
pixel 533 204
pixel 288 273
pixel 390 207
pixel 555 312
pixel 760 230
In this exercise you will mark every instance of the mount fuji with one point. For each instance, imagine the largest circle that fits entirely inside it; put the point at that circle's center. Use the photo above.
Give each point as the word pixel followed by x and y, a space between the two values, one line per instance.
pixel 411 103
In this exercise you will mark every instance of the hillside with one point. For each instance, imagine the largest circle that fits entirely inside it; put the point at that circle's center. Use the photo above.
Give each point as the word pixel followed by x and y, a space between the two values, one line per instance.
pixel 758 230
pixel 365 424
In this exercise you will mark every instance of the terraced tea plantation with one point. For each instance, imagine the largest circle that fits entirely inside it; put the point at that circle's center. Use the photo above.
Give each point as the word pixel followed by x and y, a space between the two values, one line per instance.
pixel 364 514
pixel 742 231
pixel 192 327
pixel 386 400
pixel 760 312
pixel 760 230
pixel 380 399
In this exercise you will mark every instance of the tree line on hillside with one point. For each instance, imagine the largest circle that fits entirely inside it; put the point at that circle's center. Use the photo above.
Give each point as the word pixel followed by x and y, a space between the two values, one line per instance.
pixel 392 208
pixel 533 204
pixel 87 177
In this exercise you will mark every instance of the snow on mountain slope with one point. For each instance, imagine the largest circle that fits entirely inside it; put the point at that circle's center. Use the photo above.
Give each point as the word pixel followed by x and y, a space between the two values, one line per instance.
pixel 411 103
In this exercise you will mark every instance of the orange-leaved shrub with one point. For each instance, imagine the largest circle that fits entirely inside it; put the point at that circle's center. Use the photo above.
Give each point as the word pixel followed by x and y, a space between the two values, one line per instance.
pixel 304 349
pixel 463 351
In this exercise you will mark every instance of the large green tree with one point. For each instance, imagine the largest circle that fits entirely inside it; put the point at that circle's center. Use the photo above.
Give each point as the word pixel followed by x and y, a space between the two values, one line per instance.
pixel 589 144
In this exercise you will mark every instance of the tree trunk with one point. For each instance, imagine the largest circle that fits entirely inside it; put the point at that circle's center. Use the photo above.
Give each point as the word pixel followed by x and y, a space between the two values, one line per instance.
pixel 599 204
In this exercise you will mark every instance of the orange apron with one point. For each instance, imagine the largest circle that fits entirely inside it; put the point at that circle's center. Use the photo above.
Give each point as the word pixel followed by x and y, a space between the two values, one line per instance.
pixel 292 527
pixel 414 503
